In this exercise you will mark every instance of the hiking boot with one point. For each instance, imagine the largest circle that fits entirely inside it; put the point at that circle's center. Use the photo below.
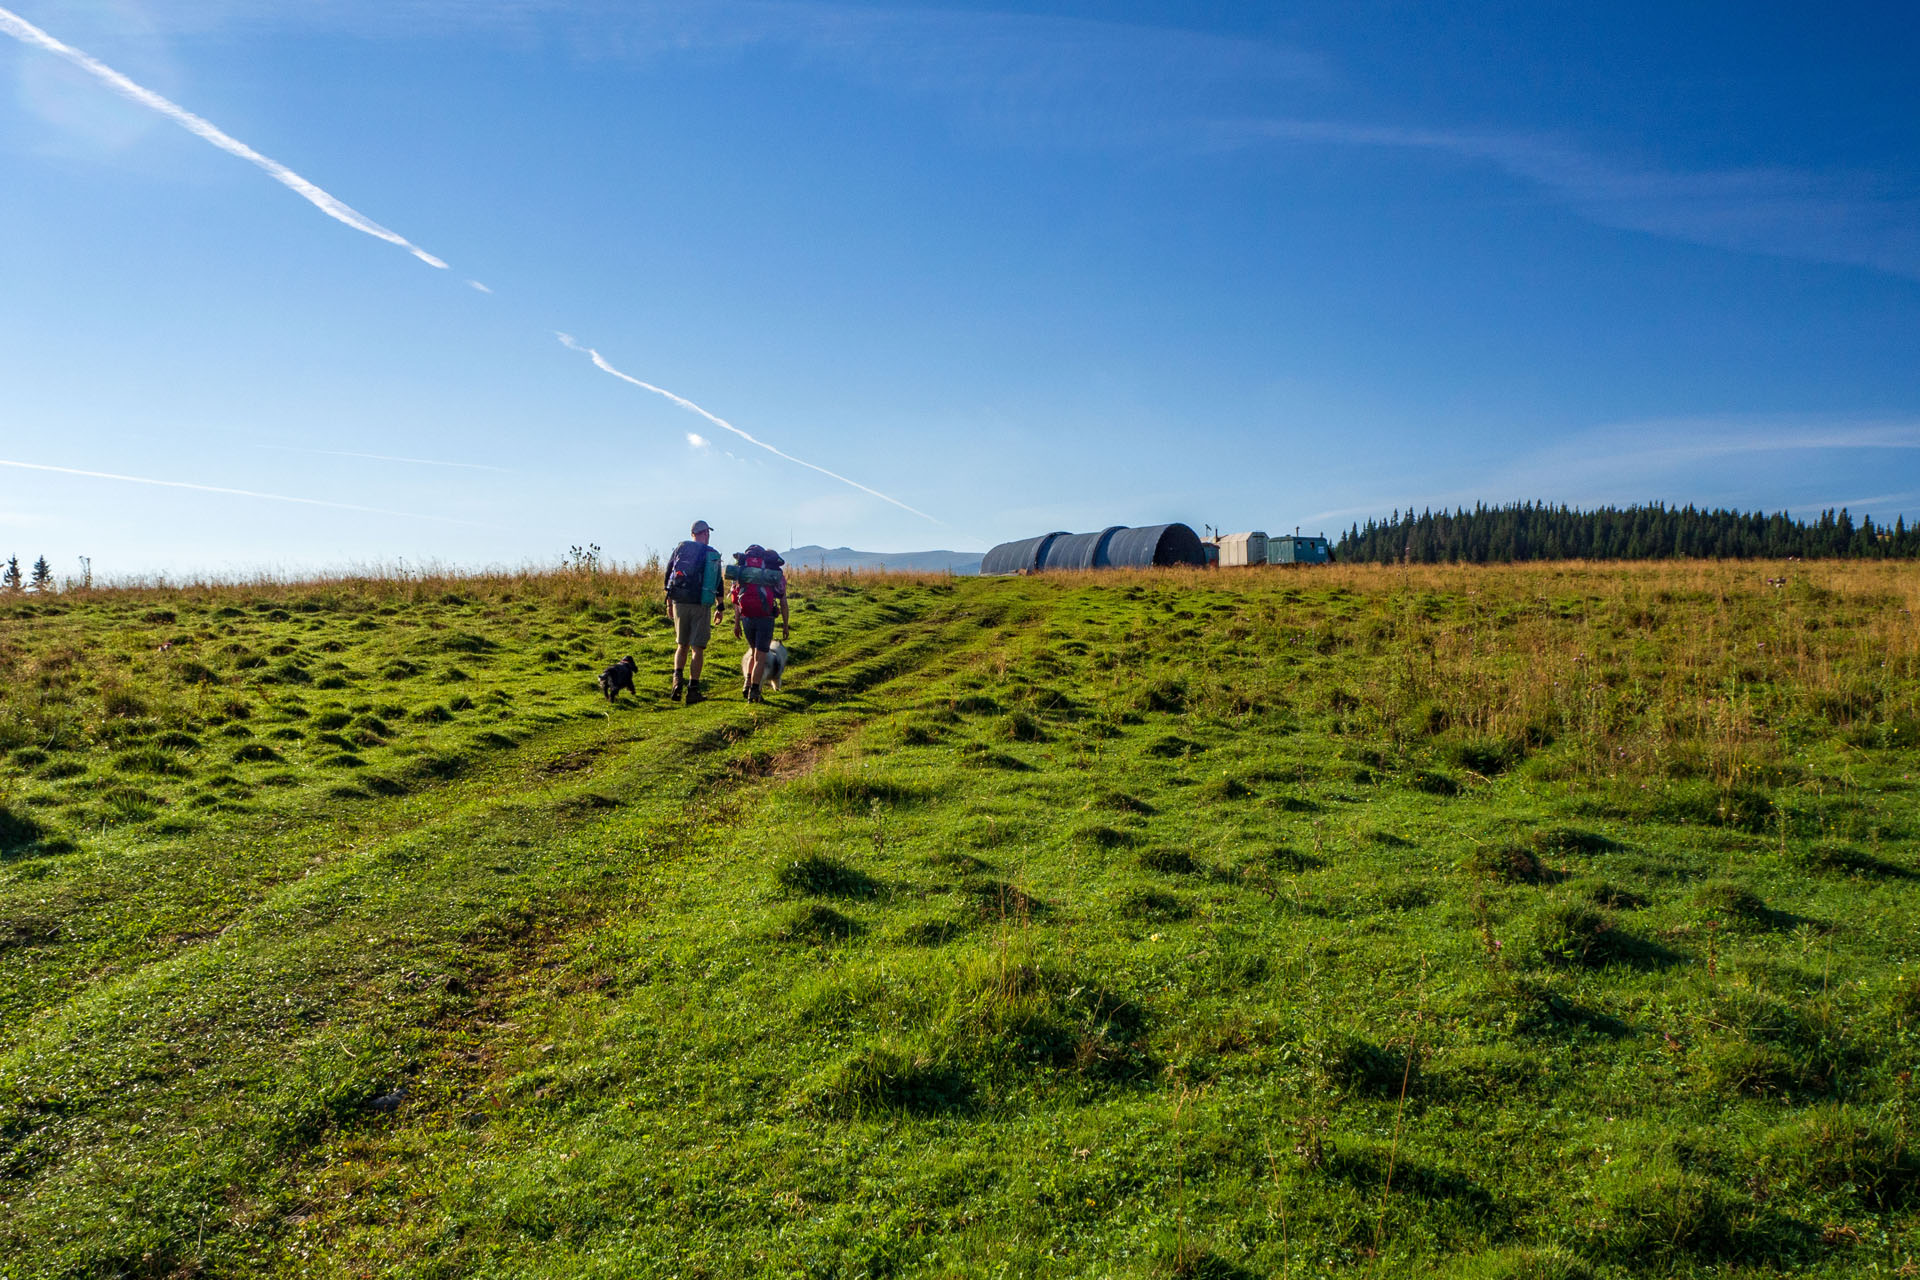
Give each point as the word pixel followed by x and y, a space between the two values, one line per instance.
pixel 693 692
pixel 678 687
pixel 756 695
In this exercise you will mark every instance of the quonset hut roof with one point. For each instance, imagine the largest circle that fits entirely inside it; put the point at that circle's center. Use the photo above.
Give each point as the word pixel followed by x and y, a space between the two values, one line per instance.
pixel 1080 550
pixel 1155 544
pixel 1023 556
pixel 1117 547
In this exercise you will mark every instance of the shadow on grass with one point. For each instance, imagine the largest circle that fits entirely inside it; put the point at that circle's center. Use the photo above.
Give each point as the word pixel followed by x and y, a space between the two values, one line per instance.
pixel 587 805
pixel 817 924
pixel 1124 802
pixel 1544 1011
pixel 1155 906
pixel 933 933
pixel 1740 907
pixel 1291 861
pixel 852 793
pixel 817 875
pixel 1577 933
pixel 1362 1067
pixel 1849 859
pixel 1368 1170
pixel 996 899
pixel 1513 863
pixel 888 1079
pixel 1174 862
pixel 979 753
pixel 1207 1265
pixel 22 836
pixel 956 860
pixel 1666 1213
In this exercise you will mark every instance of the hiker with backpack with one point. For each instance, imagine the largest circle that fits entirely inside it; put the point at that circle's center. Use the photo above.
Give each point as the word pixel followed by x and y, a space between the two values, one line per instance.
pixel 758 587
pixel 692 587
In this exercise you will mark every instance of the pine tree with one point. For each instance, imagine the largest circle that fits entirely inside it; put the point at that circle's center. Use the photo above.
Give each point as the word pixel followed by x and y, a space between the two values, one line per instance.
pixel 42 580
pixel 10 580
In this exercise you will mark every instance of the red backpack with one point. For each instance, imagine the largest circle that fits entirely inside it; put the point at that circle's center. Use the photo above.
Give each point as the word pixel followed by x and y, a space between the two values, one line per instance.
pixel 759 599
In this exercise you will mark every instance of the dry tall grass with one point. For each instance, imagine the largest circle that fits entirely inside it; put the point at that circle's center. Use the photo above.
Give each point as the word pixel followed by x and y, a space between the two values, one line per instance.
pixel 1678 670
pixel 1695 669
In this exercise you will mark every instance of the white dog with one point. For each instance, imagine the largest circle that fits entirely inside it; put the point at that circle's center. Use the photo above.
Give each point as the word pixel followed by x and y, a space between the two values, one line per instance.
pixel 776 664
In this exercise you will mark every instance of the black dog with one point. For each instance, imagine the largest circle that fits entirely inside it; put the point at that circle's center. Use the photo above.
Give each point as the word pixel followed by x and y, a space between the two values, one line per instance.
pixel 617 677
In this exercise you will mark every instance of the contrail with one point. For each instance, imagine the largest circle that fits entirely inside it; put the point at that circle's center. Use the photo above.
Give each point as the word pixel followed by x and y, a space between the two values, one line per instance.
pixel 20 29
pixel 25 32
pixel 238 493
pixel 386 457
pixel 684 403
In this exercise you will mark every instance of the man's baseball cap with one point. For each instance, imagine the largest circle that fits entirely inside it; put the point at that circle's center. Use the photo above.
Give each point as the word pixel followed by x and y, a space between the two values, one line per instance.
pixel 701 526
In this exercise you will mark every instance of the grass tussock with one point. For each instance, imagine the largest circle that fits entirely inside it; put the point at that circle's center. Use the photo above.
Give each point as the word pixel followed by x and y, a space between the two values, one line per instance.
pixel 818 875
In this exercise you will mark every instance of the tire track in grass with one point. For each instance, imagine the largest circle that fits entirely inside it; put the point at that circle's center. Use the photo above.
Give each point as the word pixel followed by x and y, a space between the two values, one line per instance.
pixel 506 1150
pixel 529 1002
pixel 374 952
pixel 130 907
pixel 374 955
pixel 140 905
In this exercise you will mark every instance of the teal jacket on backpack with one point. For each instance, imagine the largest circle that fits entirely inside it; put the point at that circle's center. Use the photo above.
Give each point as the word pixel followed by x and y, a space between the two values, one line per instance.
pixel 709 575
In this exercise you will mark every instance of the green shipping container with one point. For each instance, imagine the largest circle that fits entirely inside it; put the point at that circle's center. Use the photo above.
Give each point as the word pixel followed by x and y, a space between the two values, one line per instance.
pixel 1294 549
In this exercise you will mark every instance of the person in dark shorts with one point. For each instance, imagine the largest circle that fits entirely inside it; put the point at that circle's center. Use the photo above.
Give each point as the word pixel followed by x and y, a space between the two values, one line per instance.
pixel 693 587
pixel 755 605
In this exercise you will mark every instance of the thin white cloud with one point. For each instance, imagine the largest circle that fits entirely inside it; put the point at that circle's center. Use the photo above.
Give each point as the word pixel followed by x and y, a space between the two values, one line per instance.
pixel 1075 77
pixel 1050 79
pixel 1610 462
pixel 1670 459
pixel 236 493
pixel 600 362
pixel 1849 219
pixel 698 441
pixel 386 457
pixel 986 52
pixel 20 29
pixel 1895 502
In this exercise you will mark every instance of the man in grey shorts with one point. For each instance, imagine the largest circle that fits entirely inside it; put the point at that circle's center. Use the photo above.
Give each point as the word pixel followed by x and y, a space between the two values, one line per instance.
pixel 692 587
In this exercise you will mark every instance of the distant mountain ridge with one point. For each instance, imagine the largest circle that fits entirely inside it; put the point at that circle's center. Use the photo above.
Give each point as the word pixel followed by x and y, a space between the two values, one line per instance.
pixel 814 557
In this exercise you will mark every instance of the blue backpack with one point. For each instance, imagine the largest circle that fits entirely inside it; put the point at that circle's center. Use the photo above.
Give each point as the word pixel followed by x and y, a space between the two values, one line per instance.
pixel 687 573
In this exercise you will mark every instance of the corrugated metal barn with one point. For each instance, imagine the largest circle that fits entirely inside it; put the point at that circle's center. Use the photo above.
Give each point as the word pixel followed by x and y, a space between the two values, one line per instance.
pixel 1081 550
pixel 1117 547
pixel 1023 556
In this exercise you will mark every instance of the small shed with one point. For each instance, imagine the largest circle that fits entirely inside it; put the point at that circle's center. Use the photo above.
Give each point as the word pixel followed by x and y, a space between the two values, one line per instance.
pixel 1242 549
pixel 1024 556
pixel 1294 549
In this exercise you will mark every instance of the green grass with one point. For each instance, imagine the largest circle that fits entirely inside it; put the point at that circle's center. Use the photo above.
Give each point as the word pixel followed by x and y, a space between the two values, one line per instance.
pixel 1542 922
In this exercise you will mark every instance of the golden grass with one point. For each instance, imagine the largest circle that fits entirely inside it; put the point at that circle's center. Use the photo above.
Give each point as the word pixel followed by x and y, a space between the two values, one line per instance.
pixel 1689 668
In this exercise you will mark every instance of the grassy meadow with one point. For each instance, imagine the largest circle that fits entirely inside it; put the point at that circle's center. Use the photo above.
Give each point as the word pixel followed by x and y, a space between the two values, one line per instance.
pixel 1534 922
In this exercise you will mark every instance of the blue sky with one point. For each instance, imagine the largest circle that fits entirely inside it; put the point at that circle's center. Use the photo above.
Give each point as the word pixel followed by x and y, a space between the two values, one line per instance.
pixel 1005 269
